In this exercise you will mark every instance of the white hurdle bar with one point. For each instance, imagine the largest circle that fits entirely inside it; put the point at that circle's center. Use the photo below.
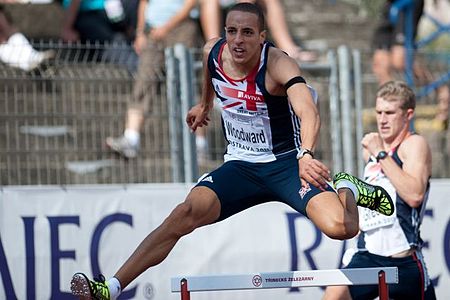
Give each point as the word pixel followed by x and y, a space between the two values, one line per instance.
pixel 312 278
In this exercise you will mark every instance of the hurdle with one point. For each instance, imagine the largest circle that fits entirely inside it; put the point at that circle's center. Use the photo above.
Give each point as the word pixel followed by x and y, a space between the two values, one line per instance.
pixel 272 280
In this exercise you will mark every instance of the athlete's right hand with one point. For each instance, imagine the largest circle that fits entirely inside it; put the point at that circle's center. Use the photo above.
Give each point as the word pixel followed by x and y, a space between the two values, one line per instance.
pixel 197 117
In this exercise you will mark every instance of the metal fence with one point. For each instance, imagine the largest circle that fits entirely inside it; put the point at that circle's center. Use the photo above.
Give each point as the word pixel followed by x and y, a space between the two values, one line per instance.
pixel 54 120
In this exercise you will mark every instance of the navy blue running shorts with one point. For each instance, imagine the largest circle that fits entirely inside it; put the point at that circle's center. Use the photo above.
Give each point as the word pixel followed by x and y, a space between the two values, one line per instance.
pixel 412 277
pixel 240 185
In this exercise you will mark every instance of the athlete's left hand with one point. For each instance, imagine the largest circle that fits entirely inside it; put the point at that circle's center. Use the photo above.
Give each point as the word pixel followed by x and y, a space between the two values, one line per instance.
pixel 313 171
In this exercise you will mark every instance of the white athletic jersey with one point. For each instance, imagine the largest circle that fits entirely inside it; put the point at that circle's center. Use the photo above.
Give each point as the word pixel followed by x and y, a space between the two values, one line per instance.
pixel 383 235
pixel 258 126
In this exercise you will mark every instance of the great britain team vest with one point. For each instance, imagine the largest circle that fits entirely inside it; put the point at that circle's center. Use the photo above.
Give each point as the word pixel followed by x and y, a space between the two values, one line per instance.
pixel 258 126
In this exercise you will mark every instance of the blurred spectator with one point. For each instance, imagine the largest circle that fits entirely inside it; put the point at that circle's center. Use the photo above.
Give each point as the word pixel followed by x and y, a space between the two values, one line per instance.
pixel 109 22
pixel 15 49
pixel 389 42
pixel 439 11
pixel 98 20
pixel 390 55
pixel 161 24
pixel 212 24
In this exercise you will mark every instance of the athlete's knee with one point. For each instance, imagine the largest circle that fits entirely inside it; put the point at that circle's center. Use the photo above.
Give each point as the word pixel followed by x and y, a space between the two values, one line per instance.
pixel 341 229
pixel 327 213
pixel 200 208
pixel 182 219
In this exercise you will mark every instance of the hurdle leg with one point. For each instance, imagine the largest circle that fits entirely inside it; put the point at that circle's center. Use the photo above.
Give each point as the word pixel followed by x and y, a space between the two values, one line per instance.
pixel 383 290
pixel 185 295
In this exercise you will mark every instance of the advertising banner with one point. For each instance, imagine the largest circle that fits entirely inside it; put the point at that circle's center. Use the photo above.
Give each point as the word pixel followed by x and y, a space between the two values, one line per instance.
pixel 49 233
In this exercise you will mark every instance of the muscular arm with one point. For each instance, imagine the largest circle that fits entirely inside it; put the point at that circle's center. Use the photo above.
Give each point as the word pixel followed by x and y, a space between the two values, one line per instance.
pixel 207 89
pixel 198 115
pixel 410 182
pixel 282 68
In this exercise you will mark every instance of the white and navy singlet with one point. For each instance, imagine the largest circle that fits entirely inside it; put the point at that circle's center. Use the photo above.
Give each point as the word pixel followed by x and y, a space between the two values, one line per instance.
pixel 257 125
pixel 383 235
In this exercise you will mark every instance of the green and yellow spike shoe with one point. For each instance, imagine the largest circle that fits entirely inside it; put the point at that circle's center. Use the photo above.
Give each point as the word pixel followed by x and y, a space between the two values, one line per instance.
pixel 86 289
pixel 373 197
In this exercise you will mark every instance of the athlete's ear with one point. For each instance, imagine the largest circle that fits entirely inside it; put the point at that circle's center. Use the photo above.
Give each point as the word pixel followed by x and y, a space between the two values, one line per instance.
pixel 409 114
pixel 262 36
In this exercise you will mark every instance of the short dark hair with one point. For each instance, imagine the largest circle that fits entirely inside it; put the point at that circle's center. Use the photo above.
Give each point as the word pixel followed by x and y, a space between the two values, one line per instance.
pixel 397 90
pixel 250 8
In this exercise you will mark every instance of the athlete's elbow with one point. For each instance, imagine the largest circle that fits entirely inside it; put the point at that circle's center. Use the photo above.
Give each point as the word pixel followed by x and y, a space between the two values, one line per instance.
pixel 414 200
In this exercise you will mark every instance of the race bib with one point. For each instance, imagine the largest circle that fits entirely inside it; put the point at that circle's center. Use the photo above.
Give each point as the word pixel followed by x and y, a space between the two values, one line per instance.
pixel 369 219
pixel 247 136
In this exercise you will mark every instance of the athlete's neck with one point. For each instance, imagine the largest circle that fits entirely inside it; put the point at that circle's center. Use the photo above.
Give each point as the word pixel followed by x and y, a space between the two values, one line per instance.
pixel 398 140
pixel 237 70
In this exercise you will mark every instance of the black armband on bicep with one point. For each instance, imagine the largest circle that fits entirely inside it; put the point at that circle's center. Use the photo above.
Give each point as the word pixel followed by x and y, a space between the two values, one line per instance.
pixel 294 80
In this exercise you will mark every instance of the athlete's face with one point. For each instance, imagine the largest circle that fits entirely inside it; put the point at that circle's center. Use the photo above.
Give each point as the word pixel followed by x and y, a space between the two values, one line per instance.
pixel 392 120
pixel 244 36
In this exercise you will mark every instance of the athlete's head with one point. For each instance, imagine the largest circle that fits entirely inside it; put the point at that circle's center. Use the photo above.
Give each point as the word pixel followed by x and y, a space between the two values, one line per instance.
pixel 398 91
pixel 249 8
pixel 394 109
pixel 244 30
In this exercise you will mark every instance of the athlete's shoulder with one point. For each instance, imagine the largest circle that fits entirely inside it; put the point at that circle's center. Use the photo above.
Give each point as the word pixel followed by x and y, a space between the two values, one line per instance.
pixel 414 140
pixel 280 59
pixel 275 53
pixel 210 44
pixel 281 67
pixel 413 146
